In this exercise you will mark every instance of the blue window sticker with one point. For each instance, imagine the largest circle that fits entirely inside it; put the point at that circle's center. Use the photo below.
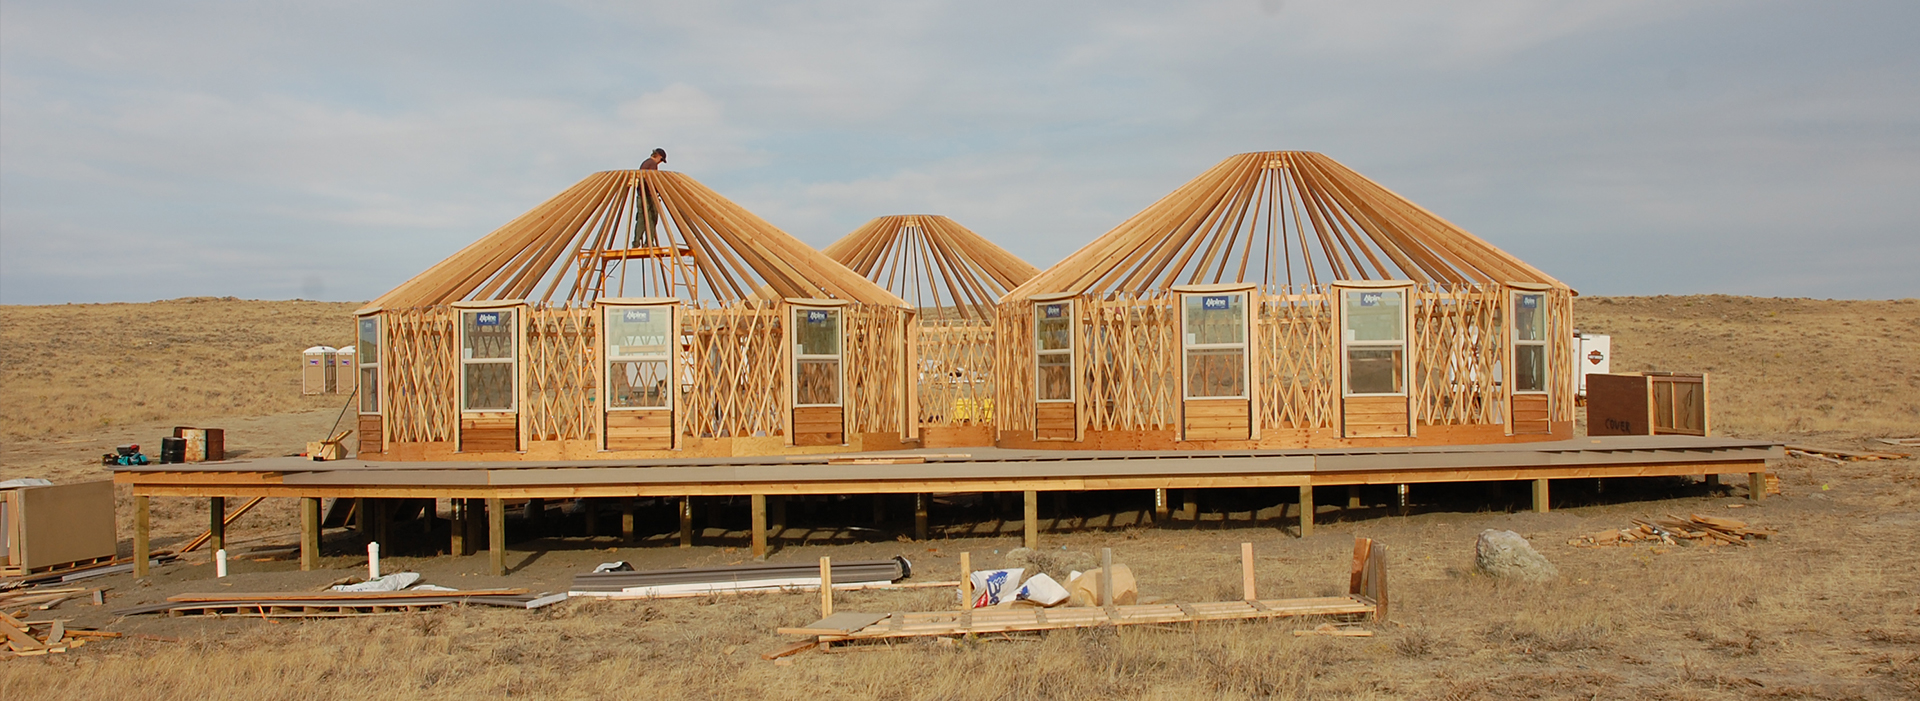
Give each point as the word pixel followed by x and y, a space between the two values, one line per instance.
pixel 816 316
pixel 1054 311
pixel 1216 302
pixel 1529 301
pixel 487 319
pixel 637 316
pixel 1370 299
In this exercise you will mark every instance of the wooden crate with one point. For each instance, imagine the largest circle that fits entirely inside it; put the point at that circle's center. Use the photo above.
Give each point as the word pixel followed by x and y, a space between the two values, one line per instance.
pixel 48 527
pixel 1647 403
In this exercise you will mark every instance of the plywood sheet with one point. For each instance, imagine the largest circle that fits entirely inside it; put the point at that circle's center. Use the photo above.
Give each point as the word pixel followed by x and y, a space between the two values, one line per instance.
pixel 65 523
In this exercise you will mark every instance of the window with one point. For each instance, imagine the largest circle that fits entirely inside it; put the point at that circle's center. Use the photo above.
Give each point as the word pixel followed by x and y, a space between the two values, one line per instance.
pixel 487 360
pixel 1375 341
pixel 1529 343
pixel 367 348
pixel 1215 345
pixel 816 357
pixel 1053 346
pixel 639 357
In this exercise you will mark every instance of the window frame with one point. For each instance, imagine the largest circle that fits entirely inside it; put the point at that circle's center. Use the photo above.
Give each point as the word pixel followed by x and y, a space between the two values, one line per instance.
pixel 670 356
pixel 1244 345
pixel 1403 344
pixel 1515 342
pixel 512 360
pixel 839 355
pixel 1069 311
pixel 362 365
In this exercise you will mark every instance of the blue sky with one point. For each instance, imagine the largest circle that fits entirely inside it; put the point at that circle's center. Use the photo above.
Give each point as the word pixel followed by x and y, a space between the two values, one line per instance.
pixel 332 150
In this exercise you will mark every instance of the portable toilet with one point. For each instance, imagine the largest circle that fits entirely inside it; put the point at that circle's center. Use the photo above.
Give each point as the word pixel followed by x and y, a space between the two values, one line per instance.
pixel 316 370
pixel 344 377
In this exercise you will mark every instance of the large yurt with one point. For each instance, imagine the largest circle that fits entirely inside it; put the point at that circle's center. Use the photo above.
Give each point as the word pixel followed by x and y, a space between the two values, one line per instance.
pixel 636 315
pixel 1282 300
pixel 952 278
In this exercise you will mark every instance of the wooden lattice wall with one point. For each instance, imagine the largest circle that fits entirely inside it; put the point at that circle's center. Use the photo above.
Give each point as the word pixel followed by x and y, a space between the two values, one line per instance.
pixel 1013 368
pixel 561 374
pixel 1298 361
pixel 418 369
pixel 1459 343
pixel 876 360
pixel 736 384
pixel 1129 374
pixel 956 380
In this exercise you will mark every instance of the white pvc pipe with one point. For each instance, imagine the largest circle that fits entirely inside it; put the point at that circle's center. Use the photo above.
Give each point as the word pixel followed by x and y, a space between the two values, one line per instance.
pixel 220 563
pixel 373 561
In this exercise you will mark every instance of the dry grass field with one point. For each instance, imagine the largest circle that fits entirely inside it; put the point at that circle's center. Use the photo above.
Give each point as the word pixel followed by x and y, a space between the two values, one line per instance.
pixel 1828 609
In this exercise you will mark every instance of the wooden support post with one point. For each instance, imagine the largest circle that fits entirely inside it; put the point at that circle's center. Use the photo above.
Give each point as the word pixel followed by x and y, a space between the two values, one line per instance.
pixel 1306 510
pixel 1353 496
pixel 920 516
pixel 1540 496
pixel 457 527
pixel 777 513
pixel 758 505
pixel 476 524
pixel 591 508
pixel 1757 486
pixel 1190 504
pixel 536 517
pixel 626 521
pixel 1160 505
pixel 966 580
pixel 309 533
pixel 686 522
pixel 1405 503
pixel 217 523
pixel 826 586
pixel 497 536
pixel 382 513
pixel 879 509
pixel 1106 578
pixel 141 551
pixel 1032 517
pixel 361 526
pixel 1246 572
pixel 1713 482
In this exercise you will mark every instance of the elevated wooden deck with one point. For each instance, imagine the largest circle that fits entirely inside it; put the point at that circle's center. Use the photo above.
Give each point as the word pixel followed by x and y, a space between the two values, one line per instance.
pixel 967 470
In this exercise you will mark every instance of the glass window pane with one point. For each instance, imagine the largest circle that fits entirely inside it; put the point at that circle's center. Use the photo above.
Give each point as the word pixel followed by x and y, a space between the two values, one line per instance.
pixel 638 331
pixel 816 382
pixel 1053 326
pixel 1216 319
pixel 1530 368
pixel 368 347
pixel 488 334
pixel 1374 371
pixel 1527 318
pixel 1216 372
pixel 637 383
pixel 1056 377
pixel 489 387
pixel 1375 315
pixel 369 390
pixel 816 331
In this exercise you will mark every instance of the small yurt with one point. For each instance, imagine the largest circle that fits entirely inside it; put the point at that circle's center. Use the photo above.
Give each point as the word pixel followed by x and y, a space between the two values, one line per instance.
pixel 1282 300
pixel 953 278
pixel 638 314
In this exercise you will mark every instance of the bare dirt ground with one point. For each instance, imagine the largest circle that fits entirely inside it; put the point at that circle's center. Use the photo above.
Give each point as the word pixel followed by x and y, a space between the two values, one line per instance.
pixel 1829 609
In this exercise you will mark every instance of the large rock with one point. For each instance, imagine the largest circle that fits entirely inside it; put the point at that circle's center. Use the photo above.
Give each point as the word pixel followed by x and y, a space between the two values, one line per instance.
pixel 1506 555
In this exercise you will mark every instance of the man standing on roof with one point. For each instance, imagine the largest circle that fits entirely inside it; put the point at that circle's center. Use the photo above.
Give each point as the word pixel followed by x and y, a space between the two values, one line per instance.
pixel 646 217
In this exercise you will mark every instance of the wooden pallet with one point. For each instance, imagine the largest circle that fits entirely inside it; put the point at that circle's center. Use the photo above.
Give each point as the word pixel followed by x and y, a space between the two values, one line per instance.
pixel 1366 599
pixel 61 568
pixel 276 610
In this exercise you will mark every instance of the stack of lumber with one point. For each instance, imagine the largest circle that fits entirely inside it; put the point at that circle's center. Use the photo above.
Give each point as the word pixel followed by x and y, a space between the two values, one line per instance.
pixel 708 580
pixel 1696 528
pixel 33 638
pixel 20 600
pixel 333 604
pixel 70 574
pixel 1843 455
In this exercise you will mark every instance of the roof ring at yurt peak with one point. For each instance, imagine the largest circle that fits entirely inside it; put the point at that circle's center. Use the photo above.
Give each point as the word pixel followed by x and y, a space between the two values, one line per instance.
pixel 1283 220
pixel 636 233
pixel 934 263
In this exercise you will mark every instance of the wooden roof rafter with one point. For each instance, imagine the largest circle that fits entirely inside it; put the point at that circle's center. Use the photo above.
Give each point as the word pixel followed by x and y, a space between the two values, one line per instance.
pixel 933 263
pixel 1283 220
pixel 636 233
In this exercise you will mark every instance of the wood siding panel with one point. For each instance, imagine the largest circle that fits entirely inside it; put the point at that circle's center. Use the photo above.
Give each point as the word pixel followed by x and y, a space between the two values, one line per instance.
pixel 819 425
pixel 1530 414
pixel 1054 421
pixel 1218 420
pixel 640 430
pixel 1366 417
pixel 372 438
pixel 489 433
pixel 1617 406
